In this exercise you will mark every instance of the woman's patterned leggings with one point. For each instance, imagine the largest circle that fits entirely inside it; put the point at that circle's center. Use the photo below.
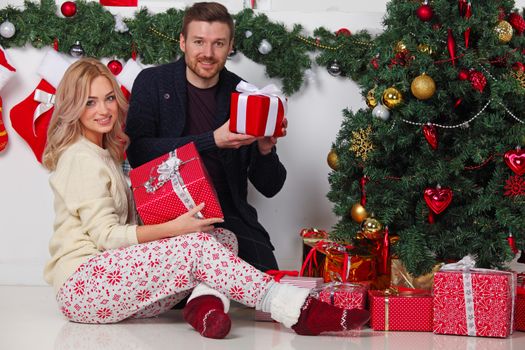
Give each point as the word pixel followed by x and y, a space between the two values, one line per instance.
pixel 148 279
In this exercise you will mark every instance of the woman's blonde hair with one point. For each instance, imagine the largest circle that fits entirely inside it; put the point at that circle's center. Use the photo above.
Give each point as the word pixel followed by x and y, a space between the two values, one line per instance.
pixel 70 102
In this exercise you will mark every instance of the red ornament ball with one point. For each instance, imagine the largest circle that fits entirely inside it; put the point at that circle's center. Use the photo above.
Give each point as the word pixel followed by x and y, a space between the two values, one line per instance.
pixel 463 74
pixel 477 80
pixel 517 22
pixel 425 13
pixel 344 32
pixel 68 9
pixel 115 67
pixel 518 67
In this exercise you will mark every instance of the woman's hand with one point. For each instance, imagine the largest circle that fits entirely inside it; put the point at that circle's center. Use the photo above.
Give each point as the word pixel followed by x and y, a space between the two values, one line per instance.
pixel 188 223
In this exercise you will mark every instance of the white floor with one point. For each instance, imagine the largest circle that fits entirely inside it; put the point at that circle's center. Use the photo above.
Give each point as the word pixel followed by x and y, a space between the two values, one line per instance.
pixel 29 319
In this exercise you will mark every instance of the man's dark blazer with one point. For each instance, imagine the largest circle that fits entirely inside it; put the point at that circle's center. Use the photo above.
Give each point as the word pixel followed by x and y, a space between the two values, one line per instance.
pixel 156 120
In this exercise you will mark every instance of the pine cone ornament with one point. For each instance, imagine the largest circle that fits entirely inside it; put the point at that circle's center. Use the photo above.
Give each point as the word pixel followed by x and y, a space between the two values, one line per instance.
pixel 517 22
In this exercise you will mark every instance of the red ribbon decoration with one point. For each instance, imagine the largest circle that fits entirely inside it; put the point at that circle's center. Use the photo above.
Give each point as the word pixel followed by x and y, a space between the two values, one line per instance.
pixel 55 44
pixel 279 274
pixel 451 46
pixel 123 3
pixel 362 183
pixel 311 256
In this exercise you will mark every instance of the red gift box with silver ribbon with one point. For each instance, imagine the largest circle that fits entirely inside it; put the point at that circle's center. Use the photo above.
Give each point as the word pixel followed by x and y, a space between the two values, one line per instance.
pixel 172 184
pixel 257 112
pixel 472 301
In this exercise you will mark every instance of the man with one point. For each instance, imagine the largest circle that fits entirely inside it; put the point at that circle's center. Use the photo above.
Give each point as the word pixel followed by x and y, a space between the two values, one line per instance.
pixel 189 100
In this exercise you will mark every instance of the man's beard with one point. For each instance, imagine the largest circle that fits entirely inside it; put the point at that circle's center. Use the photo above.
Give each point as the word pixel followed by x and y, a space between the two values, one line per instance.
pixel 204 73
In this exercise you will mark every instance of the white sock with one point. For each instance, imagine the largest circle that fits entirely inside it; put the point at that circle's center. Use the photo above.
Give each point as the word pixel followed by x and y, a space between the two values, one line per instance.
pixel 284 302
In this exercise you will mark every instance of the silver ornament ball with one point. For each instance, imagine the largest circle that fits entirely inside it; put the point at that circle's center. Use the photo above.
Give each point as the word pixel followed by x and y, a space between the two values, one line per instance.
pixel 76 50
pixel 248 34
pixel 334 69
pixel 7 29
pixel 381 112
pixel 265 47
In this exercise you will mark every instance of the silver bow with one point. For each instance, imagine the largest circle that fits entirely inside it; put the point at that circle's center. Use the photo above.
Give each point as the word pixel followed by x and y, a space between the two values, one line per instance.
pixel 168 170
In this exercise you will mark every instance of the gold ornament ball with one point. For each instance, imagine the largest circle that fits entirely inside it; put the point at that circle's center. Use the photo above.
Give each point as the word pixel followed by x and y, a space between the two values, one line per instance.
pixel 358 213
pixel 424 48
pixel 504 31
pixel 372 228
pixel 400 47
pixel 333 160
pixel 392 98
pixel 423 87
pixel 371 100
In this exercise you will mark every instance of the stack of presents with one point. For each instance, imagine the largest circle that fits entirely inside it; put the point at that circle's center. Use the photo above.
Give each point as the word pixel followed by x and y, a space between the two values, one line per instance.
pixel 452 299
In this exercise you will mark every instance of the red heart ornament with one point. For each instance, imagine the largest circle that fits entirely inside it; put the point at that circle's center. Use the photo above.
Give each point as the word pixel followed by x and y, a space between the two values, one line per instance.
pixel 438 199
pixel 515 160
pixel 430 132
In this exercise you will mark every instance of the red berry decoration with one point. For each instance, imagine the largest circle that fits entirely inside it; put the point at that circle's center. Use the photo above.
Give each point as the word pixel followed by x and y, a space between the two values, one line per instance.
pixel 344 32
pixel 463 74
pixel 517 22
pixel 425 13
pixel 115 67
pixel 68 9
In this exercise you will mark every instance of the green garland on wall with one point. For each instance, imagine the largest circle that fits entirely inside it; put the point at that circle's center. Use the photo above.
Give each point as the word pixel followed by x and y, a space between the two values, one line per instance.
pixel 155 38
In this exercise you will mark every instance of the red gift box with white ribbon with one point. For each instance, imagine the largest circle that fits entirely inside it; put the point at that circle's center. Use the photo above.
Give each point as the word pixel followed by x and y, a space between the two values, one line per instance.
pixel 172 184
pixel 472 301
pixel 257 112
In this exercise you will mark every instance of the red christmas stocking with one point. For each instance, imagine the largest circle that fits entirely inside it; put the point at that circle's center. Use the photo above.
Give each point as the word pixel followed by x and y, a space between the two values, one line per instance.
pixel 6 72
pixel 30 118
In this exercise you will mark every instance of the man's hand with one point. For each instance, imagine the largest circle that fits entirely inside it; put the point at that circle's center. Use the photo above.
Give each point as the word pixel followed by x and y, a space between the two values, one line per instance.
pixel 224 138
pixel 266 143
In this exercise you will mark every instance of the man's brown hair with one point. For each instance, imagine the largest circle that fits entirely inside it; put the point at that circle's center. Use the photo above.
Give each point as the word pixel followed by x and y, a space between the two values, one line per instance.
pixel 207 12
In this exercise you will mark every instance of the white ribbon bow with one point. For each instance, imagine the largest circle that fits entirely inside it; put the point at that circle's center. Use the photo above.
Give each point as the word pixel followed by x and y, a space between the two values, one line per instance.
pixel 247 89
pixel 465 264
pixel 47 102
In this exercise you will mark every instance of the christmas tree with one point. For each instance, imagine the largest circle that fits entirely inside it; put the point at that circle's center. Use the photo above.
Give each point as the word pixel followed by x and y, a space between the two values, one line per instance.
pixel 436 157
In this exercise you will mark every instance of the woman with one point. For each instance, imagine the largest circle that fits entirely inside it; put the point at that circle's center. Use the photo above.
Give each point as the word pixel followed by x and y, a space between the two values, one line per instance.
pixel 105 268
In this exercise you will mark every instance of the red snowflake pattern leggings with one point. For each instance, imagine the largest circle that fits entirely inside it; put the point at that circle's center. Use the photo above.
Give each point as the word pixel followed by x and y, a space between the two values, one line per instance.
pixel 145 280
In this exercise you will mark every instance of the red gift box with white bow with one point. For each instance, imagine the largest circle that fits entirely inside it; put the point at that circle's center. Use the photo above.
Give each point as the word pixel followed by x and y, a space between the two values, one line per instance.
pixel 474 302
pixel 257 112
pixel 172 184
